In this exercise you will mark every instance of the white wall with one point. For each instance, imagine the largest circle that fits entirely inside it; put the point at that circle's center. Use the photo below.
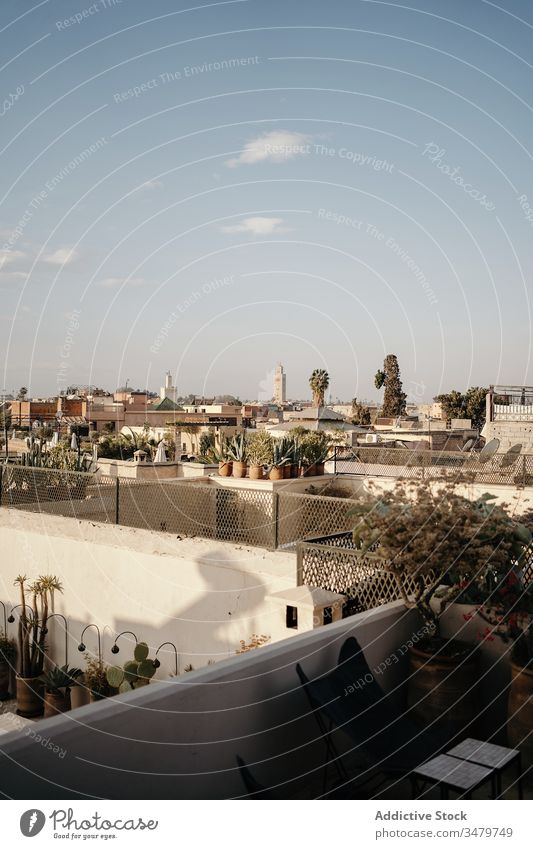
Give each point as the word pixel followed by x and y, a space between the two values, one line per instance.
pixel 179 740
pixel 205 596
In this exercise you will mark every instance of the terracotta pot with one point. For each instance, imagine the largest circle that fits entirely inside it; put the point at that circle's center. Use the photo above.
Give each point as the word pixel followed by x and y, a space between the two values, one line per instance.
pixel 239 469
pixel 57 702
pixel 520 713
pixel 79 696
pixel 441 687
pixel 310 471
pixel 295 470
pixel 96 697
pixel 276 473
pixel 30 695
pixel 256 473
pixel 4 680
pixel 225 468
pixel 320 468
pixel 286 472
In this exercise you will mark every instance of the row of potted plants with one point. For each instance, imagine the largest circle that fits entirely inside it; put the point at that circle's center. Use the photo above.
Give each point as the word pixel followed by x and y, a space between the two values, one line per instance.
pixel 44 688
pixel 262 455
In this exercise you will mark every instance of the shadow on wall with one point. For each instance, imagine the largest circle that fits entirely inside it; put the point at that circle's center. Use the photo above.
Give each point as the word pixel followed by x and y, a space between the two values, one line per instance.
pixel 229 608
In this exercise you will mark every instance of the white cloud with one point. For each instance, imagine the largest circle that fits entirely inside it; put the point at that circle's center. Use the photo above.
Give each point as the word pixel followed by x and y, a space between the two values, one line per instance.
pixel 150 184
pixel 7 256
pixel 276 146
pixel 115 282
pixel 63 256
pixel 256 226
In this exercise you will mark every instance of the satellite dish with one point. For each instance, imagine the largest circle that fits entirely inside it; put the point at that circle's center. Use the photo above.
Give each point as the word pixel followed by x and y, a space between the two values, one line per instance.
pixel 489 450
pixel 511 456
pixel 469 444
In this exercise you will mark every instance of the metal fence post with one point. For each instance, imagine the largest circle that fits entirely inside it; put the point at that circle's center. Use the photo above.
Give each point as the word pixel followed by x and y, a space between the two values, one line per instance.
pixel 117 500
pixel 275 517
pixel 299 564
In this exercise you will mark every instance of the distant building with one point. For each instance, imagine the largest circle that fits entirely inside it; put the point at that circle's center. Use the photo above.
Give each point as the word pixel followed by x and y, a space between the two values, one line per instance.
pixel 168 390
pixel 280 386
pixel 510 417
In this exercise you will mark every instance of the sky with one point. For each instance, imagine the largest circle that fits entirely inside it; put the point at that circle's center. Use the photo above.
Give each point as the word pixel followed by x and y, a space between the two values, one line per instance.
pixel 212 189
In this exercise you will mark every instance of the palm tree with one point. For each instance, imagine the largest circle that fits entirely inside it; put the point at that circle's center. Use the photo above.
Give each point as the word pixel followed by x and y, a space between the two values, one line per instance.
pixel 319 382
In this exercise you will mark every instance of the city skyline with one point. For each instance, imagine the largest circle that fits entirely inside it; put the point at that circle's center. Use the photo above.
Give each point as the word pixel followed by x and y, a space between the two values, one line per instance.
pixel 209 189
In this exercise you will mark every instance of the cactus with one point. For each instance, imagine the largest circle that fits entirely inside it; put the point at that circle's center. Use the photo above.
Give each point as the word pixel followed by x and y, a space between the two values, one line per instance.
pixel 134 673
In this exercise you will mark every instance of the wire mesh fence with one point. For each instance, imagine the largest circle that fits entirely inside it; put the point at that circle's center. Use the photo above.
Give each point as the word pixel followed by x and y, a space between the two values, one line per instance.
pixel 256 517
pixel 456 466
pixel 334 563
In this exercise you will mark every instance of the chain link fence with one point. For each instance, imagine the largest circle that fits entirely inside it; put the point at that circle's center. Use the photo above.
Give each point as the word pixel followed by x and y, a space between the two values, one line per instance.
pixel 458 467
pixel 256 517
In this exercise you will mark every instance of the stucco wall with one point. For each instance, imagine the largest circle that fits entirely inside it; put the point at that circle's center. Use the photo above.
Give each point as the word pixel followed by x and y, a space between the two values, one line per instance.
pixel 204 596
pixel 180 740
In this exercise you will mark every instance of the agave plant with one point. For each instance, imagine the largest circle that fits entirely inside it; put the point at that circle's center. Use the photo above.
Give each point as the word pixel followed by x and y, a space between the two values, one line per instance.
pixel 279 456
pixel 59 678
pixel 238 449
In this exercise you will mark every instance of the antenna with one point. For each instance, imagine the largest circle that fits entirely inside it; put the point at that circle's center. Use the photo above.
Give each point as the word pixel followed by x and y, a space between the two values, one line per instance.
pixel 489 450
pixel 511 456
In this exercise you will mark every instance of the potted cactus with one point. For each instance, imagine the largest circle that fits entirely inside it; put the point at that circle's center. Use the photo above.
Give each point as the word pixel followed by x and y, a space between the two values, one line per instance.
pixel 135 673
pixel 33 627
pixel 315 448
pixel 237 452
pixel 57 683
pixel 7 661
pixel 260 448
pixel 221 456
pixel 279 460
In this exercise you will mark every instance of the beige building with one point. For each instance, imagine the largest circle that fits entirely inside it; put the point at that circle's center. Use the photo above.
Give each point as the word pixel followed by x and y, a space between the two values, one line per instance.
pixel 280 386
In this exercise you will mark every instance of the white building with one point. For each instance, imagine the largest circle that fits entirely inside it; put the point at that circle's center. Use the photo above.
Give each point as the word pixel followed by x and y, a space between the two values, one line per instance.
pixel 168 390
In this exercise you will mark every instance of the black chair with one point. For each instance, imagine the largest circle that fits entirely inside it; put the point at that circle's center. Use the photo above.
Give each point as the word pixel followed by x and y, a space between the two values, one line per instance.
pixel 384 738
pixel 253 788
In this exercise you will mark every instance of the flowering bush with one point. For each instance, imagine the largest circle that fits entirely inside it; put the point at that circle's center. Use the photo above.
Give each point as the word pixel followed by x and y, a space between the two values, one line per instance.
pixel 435 537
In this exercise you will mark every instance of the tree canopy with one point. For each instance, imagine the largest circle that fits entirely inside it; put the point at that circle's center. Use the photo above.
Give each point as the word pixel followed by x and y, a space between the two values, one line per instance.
pixel 468 405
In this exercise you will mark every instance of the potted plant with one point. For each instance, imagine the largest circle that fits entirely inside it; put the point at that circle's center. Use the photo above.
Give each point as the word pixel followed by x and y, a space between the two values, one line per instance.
pixel 279 461
pixel 260 448
pixel 237 452
pixel 95 679
pixel 435 541
pixel 7 662
pixel 315 449
pixel 135 673
pixel 287 450
pixel 32 630
pixel 508 609
pixel 57 682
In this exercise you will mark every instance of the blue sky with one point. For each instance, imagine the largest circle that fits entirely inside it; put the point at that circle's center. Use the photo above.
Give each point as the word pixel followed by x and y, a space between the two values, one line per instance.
pixel 211 189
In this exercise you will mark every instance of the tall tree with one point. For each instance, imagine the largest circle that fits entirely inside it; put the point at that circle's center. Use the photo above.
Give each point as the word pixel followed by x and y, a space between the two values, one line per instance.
pixel 319 382
pixel 468 405
pixel 394 398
